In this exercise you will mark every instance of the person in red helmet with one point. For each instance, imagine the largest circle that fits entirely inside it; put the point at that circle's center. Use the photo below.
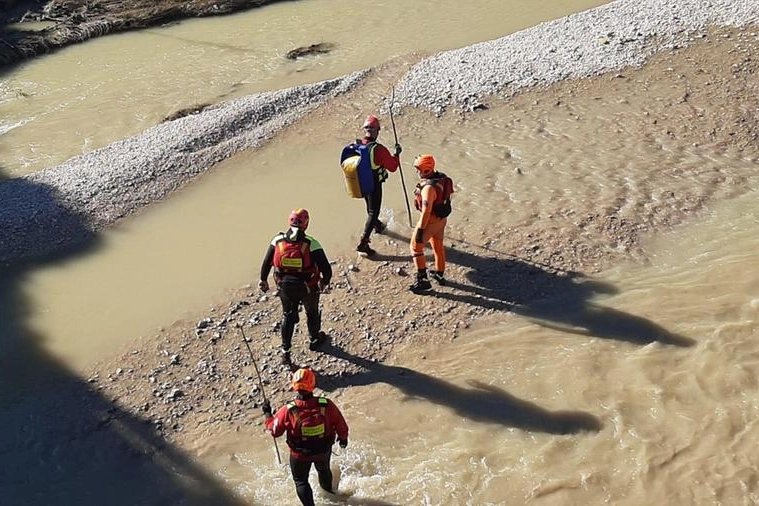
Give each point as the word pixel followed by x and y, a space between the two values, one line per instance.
pixel 381 162
pixel 432 198
pixel 301 272
pixel 312 425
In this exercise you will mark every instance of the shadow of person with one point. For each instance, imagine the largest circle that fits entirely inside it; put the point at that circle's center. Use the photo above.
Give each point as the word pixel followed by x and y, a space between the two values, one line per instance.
pixel 62 441
pixel 496 280
pixel 566 313
pixel 480 403
pixel 553 298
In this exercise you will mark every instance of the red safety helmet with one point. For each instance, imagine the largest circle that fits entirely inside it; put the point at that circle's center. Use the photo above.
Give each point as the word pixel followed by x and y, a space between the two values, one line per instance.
pixel 425 164
pixel 299 218
pixel 372 121
pixel 304 379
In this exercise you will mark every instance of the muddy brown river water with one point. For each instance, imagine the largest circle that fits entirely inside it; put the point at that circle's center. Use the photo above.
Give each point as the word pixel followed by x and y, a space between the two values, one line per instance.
pixel 638 386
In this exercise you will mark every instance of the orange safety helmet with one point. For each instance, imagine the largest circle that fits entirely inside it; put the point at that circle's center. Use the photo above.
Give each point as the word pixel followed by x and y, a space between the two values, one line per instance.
pixel 425 164
pixel 372 121
pixel 304 379
pixel 298 218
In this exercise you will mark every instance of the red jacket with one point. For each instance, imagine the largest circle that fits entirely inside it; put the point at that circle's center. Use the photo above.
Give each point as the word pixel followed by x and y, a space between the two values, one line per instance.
pixel 289 419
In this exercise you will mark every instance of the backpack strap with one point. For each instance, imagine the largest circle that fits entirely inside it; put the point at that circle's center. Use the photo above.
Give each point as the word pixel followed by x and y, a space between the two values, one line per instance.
pixel 292 408
pixel 323 403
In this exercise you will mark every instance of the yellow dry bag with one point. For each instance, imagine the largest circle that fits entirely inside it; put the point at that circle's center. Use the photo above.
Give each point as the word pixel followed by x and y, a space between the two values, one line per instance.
pixel 350 171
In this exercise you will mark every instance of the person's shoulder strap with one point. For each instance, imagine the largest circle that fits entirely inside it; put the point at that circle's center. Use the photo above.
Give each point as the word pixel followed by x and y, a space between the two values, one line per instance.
pixel 438 178
pixel 313 243
pixel 280 236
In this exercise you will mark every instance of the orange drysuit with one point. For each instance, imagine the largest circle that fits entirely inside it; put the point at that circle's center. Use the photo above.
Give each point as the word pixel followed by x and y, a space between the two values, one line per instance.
pixel 433 227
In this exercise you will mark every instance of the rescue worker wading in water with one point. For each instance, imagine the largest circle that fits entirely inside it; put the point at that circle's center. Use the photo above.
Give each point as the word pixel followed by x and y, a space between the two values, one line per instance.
pixel 382 162
pixel 302 272
pixel 312 424
pixel 433 203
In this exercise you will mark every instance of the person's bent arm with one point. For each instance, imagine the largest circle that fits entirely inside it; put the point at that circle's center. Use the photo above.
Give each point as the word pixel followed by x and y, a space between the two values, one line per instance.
pixel 277 424
pixel 429 194
pixel 338 422
pixel 320 259
pixel 266 265
pixel 383 158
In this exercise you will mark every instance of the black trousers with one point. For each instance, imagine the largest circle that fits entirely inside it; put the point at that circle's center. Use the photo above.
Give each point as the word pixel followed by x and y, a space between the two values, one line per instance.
pixel 373 206
pixel 291 294
pixel 300 470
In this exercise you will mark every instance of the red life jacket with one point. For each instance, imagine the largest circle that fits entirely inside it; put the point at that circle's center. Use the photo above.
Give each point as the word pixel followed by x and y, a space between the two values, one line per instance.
pixel 294 258
pixel 443 184
pixel 312 433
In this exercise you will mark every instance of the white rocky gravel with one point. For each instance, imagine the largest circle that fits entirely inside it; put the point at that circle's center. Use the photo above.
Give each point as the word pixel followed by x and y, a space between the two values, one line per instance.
pixel 61 207
pixel 613 36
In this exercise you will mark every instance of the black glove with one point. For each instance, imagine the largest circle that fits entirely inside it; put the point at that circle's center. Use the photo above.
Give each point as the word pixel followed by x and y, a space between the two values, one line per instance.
pixel 266 408
pixel 419 235
pixel 398 150
pixel 342 442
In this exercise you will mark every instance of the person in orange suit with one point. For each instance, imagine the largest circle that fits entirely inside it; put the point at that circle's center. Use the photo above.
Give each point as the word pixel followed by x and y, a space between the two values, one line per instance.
pixel 432 200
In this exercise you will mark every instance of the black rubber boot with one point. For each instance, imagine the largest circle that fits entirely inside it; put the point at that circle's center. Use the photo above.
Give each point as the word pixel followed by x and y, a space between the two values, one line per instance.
pixel 422 284
pixel 315 344
pixel 438 277
pixel 363 247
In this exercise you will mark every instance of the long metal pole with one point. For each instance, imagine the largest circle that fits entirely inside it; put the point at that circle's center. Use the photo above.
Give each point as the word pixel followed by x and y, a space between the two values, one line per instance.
pixel 400 169
pixel 261 384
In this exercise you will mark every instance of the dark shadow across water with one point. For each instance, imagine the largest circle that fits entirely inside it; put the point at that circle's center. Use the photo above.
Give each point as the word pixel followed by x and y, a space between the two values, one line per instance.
pixel 62 441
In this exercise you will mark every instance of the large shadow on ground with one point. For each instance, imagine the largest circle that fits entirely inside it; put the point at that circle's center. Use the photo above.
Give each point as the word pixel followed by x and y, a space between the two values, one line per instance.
pixel 553 298
pixel 62 442
pixel 480 402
